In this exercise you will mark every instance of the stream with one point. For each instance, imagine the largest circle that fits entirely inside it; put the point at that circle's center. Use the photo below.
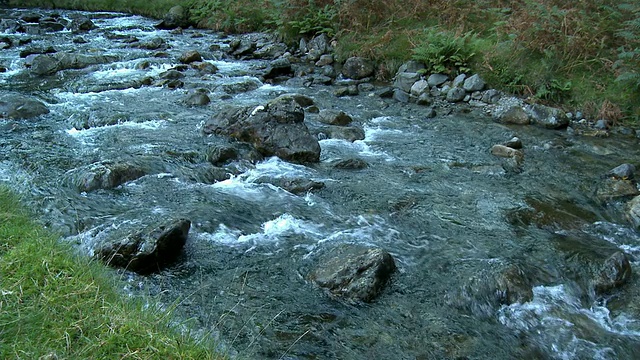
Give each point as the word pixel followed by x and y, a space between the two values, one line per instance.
pixel 452 215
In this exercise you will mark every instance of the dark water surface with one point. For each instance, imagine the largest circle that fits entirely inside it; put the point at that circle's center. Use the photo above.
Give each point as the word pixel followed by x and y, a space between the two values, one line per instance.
pixel 432 195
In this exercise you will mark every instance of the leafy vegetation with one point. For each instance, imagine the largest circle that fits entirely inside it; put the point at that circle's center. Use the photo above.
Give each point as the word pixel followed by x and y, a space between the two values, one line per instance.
pixel 576 54
pixel 54 304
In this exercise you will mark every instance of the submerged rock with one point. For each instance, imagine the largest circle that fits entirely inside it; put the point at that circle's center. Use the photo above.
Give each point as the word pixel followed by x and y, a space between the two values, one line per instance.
pixel 354 273
pixel 616 189
pixel 483 294
pixel 149 250
pixel 615 272
pixel 275 129
pixel 16 106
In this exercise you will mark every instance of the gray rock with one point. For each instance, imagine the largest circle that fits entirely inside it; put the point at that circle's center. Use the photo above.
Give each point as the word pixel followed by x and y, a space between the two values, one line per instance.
pixel 357 68
pixel 50 26
pixel 601 125
pixel 633 212
pixel 505 152
pixel 241 86
pixel 350 164
pixel 514 143
pixel 419 87
pixel 425 99
pixel 458 81
pixel 275 129
pixel 103 175
pixel 624 172
pixel 491 96
pixel 328 71
pixel 366 87
pixel 547 117
pixel 484 293
pixel 474 83
pixel 348 133
pixel 148 250
pixel 401 96
pixel 171 74
pixel 615 272
pixel 354 273
pixel 35 51
pixel 405 80
pixel 515 115
pixel 385 92
pixel 334 117
pixel 437 79
pixel 48 64
pixel 16 106
pixel 318 46
pixel 455 94
pixel 615 189
pixel 156 43
pixel 197 98
pixel 302 100
pixel 190 56
pixel 82 24
pixel 175 18
pixel 293 185
pixel 204 67
pixel 270 51
pixel 412 66
pixel 326 59
pixel 278 67
pixel 220 154
pixel 31 17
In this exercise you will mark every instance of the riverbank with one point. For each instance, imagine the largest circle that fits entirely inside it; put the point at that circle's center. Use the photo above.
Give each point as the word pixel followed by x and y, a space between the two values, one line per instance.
pixel 57 305
pixel 582 57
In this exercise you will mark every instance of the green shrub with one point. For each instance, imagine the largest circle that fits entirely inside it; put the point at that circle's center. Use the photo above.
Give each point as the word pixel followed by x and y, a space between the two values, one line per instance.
pixel 443 52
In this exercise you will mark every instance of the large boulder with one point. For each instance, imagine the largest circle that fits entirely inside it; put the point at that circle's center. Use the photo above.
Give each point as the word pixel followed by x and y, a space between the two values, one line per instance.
pixel 175 18
pixel 48 64
pixel 357 68
pixel 547 117
pixel 148 250
pixel 16 106
pixel 354 273
pixel 274 129
pixel 103 175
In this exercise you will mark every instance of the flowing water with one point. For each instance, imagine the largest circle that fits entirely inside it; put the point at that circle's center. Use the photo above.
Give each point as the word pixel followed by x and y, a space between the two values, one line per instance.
pixel 452 215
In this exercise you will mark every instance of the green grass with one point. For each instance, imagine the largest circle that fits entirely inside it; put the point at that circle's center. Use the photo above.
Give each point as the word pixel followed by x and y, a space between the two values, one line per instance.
pixel 55 303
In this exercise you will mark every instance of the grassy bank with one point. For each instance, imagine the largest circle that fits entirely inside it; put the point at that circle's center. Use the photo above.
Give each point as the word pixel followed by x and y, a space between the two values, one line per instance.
pixel 580 55
pixel 56 305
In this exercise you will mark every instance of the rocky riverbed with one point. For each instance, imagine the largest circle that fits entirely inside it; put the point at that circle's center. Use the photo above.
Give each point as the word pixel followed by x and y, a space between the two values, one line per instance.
pixel 293 207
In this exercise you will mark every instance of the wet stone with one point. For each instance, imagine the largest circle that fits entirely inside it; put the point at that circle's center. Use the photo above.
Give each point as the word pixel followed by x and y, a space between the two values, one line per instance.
pixel 334 117
pixel 350 164
pixel 148 250
pixel 190 56
pixel 615 272
pixel 354 273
